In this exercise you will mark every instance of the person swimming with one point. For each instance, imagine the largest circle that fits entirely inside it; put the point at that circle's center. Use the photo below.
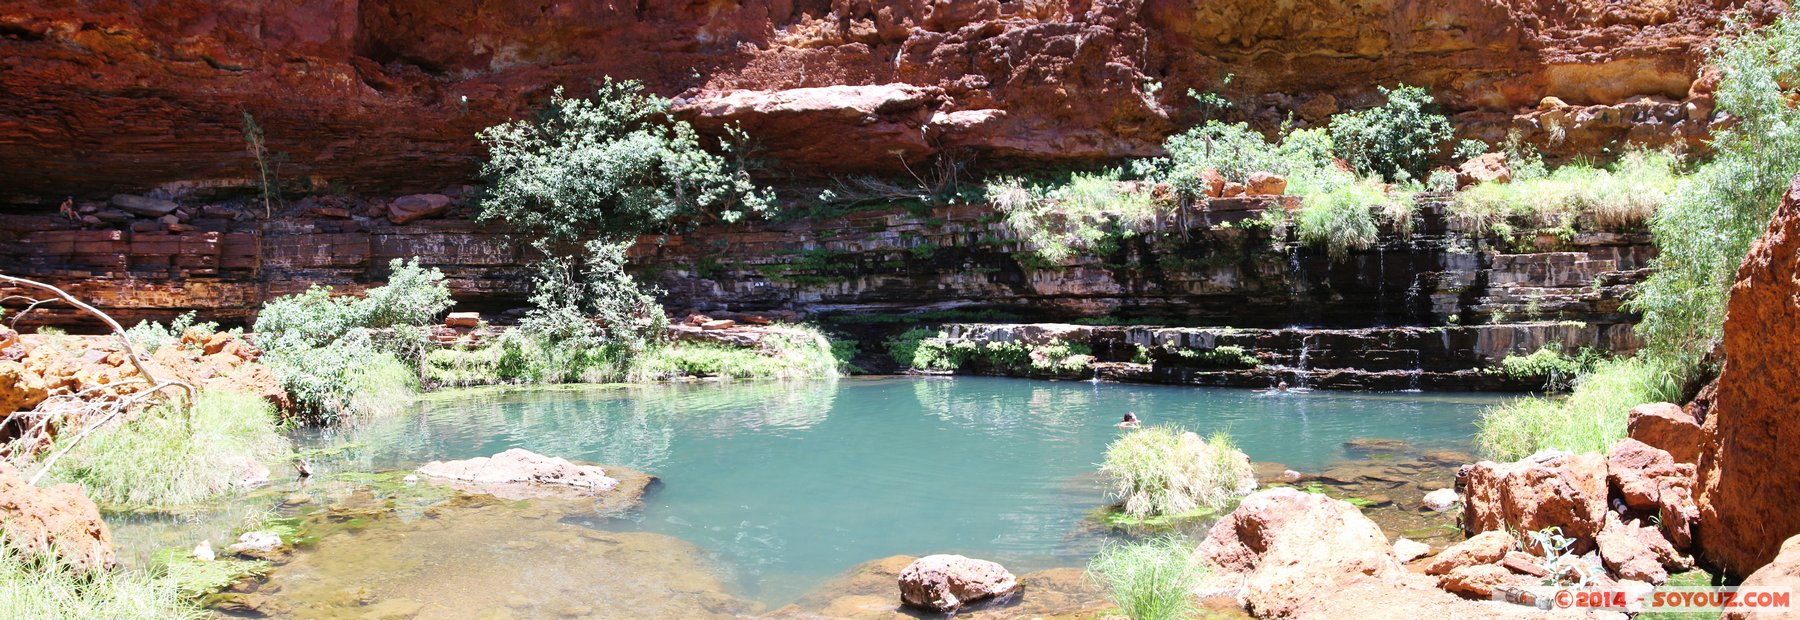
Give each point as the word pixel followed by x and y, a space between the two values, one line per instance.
pixel 1129 421
pixel 1281 387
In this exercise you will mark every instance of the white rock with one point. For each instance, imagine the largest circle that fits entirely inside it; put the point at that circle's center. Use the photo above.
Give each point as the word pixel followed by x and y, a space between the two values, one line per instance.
pixel 1408 550
pixel 1441 500
pixel 204 551
pixel 262 542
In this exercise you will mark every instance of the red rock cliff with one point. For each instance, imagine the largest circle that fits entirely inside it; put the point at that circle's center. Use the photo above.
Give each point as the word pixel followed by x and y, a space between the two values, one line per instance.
pixel 98 96
pixel 1750 453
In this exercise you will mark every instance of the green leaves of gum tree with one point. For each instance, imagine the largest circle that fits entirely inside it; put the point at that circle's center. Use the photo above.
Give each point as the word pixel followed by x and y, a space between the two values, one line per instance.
pixel 611 167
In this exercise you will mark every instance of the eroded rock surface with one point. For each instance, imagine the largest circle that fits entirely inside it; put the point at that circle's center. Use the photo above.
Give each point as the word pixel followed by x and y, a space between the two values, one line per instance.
pixel 1548 489
pixel 58 520
pixel 518 474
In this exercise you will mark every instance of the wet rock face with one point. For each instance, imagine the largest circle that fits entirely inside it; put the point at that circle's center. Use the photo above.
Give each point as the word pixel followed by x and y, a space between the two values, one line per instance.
pixel 58 520
pixel 409 83
pixel 1748 461
pixel 945 583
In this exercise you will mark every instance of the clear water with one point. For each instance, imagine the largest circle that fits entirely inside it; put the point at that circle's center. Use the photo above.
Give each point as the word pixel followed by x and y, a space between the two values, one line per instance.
pixel 788 484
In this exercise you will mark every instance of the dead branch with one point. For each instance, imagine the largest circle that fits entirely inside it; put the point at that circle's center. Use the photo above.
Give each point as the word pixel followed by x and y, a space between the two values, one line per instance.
pixel 131 351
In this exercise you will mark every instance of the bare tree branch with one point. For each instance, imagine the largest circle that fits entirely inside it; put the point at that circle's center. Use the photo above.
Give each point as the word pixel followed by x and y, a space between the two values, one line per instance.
pixel 131 351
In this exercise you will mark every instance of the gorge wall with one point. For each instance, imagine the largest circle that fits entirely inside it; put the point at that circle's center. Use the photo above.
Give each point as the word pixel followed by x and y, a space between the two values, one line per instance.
pixel 384 96
pixel 1748 460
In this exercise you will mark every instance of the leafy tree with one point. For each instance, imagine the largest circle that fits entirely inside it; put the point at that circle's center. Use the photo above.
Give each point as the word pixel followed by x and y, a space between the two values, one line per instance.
pixel 1708 224
pixel 1397 140
pixel 591 301
pixel 610 167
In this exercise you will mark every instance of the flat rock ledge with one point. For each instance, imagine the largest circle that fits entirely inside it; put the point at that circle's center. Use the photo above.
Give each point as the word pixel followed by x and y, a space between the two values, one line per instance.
pixel 519 474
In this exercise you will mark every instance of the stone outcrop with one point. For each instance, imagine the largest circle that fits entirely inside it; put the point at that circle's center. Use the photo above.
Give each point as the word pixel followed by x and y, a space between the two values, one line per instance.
pixel 59 521
pixel 1650 482
pixel 945 583
pixel 1548 489
pixel 518 466
pixel 123 98
pixel 1748 465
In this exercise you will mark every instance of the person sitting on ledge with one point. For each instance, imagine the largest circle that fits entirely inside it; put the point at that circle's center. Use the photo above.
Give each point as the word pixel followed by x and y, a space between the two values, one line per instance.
pixel 1130 421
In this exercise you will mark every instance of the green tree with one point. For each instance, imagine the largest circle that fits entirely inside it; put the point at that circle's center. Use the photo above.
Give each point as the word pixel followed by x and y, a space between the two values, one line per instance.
pixel 1397 140
pixel 610 167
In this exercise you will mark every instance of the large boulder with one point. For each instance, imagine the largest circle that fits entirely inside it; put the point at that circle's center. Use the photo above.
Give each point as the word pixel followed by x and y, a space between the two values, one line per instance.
pixel 1544 490
pixel 1749 467
pixel 1649 481
pixel 1293 547
pixel 58 520
pixel 1782 572
pixel 1628 555
pixel 944 583
pixel 1668 427
pixel 1486 168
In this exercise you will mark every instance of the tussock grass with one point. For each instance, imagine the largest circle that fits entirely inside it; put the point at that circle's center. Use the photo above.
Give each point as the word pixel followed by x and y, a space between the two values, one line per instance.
pixel 1620 199
pixel 1150 580
pixel 1591 419
pixel 167 457
pixel 1164 470
pixel 33 589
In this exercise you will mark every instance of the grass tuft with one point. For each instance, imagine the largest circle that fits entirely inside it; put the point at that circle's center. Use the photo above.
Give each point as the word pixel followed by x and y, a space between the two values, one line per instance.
pixel 31 590
pixel 1591 419
pixel 1150 580
pixel 165 457
pixel 1164 470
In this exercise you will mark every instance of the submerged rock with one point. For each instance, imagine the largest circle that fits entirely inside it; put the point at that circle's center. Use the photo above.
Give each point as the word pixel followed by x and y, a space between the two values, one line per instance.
pixel 1440 500
pixel 523 467
pixel 944 583
pixel 58 520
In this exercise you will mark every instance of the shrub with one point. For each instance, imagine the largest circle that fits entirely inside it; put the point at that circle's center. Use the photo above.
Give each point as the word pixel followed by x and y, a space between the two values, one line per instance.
pixel 1549 364
pixel 1341 213
pixel 1708 224
pixel 166 456
pixel 592 302
pixel 801 353
pixel 1225 356
pixel 1087 214
pixel 1397 140
pixel 1591 419
pixel 30 589
pixel 152 336
pixel 610 167
pixel 1164 470
pixel 340 355
pixel 1152 579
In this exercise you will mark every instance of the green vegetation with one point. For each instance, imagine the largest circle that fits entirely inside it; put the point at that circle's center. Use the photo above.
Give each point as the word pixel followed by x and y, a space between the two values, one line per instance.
pixel 1622 198
pixel 1550 364
pixel 165 456
pixel 1164 470
pixel 341 355
pixel 610 167
pixel 1342 218
pixel 801 353
pixel 1152 579
pixel 928 349
pixel 1224 356
pixel 1088 214
pixel 1397 141
pixel 195 578
pixel 1706 228
pixel 38 589
pixel 152 336
pixel 1592 418
pixel 1703 231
